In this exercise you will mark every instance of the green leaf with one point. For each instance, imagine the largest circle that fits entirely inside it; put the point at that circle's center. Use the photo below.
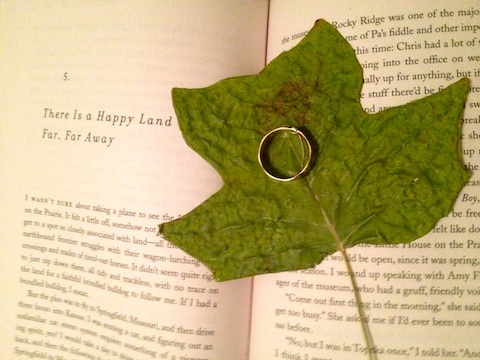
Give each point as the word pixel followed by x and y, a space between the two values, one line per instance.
pixel 376 178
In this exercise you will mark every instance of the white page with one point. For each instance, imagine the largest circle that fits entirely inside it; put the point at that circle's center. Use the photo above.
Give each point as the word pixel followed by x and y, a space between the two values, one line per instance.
pixel 82 168
pixel 422 299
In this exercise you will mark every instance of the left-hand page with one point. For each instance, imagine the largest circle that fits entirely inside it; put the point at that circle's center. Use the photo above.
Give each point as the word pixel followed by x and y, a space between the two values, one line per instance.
pixel 93 160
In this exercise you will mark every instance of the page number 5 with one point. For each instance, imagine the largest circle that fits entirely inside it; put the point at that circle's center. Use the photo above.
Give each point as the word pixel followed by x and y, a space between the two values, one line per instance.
pixel 65 76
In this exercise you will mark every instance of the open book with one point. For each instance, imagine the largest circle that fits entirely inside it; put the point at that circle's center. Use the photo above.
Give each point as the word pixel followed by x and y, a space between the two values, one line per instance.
pixel 93 160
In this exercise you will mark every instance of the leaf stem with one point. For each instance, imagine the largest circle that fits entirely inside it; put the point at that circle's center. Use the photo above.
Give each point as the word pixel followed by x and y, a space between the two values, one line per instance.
pixel 361 310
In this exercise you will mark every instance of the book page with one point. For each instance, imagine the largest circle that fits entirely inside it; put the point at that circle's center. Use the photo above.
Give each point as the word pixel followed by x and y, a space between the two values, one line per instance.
pixel 93 160
pixel 421 299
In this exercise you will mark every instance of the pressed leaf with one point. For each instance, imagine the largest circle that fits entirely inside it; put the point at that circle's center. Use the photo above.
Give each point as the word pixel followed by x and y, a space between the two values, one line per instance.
pixel 376 178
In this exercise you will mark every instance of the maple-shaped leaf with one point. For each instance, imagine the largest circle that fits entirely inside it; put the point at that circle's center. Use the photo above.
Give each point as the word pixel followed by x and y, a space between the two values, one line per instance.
pixel 375 178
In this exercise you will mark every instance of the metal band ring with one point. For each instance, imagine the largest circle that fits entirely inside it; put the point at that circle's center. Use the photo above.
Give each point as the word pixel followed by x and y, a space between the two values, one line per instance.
pixel 306 156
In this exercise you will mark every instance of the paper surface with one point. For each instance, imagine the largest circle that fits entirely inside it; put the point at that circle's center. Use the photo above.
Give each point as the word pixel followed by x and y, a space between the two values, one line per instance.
pixel 421 299
pixel 93 161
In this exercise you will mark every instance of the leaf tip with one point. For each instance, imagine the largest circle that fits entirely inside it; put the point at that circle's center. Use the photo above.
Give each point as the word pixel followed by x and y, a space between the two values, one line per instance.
pixel 161 229
pixel 462 87
pixel 176 92
pixel 319 22
pixel 465 81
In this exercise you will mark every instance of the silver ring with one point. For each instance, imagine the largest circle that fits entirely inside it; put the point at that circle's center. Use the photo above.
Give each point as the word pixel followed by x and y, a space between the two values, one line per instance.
pixel 306 157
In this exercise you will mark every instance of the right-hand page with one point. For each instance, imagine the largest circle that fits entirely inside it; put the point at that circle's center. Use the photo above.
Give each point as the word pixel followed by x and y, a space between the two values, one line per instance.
pixel 422 300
